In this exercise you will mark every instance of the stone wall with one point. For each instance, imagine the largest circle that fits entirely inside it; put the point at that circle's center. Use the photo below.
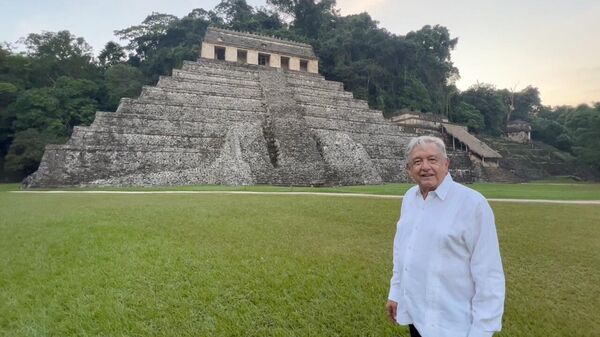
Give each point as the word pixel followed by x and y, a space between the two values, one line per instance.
pixel 214 122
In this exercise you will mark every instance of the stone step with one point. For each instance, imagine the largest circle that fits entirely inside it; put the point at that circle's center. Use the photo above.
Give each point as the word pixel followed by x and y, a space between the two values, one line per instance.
pixel 391 169
pixel 322 87
pixel 244 73
pixel 235 66
pixel 351 103
pixel 129 149
pixel 315 82
pixel 227 66
pixel 498 174
pixel 136 106
pixel 172 96
pixel 312 92
pixel 343 112
pixel 350 117
pixel 343 125
pixel 83 163
pixel 88 136
pixel 199 68
pixel 197 118
pixel 208 88
pixel 389 152
pixel 135 124
pixel 194 76
pixel 365 138
pixel 148 91
pixel 303 75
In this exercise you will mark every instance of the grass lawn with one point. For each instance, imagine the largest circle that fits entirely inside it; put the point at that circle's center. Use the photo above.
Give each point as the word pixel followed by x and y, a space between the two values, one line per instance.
pixel 262 265
pixel 552 191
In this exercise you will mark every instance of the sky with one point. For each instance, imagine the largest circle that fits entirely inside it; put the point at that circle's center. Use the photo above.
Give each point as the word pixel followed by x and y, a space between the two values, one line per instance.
pixel 553 45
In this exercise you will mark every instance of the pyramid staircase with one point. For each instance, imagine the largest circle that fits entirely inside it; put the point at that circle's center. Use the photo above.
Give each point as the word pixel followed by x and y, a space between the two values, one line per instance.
pixel 216 122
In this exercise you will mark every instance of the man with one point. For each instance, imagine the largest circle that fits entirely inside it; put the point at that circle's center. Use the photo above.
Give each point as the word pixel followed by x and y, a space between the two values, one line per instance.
pixel 447 278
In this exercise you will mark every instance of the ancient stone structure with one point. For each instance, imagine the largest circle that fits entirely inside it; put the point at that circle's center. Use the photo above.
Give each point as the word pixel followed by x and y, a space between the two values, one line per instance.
pixel 418 121
pixel 519 131
pixel 479 152
pixel 235 122
pixel 457 137
pixel 246 48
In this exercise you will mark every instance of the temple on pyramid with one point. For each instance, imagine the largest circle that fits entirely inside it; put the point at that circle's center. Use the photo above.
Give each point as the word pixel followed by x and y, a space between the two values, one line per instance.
pixel 251 110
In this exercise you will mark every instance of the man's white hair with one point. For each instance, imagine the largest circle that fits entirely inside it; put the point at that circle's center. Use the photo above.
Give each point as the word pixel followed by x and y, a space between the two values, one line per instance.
pixel 422 140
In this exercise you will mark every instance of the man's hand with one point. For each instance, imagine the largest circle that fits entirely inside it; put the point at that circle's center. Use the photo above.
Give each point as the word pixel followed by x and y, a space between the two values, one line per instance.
pixel 391 308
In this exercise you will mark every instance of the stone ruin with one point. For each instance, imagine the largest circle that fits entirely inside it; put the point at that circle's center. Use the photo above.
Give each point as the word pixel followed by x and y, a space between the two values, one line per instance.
pixel 519 131
pixel 251 110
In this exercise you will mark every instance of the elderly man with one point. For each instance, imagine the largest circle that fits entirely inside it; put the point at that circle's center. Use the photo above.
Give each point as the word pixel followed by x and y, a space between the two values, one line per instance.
pixel 447 278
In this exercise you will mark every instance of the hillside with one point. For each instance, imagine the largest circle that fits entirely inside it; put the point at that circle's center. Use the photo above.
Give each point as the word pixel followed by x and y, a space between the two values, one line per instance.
pixel 524 162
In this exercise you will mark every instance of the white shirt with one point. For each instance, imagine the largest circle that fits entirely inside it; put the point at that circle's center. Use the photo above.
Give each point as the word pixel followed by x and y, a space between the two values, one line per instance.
pixel 447 278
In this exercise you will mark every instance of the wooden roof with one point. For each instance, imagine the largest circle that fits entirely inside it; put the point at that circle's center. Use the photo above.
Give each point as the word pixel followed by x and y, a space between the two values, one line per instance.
pixel 473 143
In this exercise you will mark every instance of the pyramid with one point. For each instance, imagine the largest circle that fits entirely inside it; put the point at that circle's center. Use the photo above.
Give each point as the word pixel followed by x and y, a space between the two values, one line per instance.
pixel 250 110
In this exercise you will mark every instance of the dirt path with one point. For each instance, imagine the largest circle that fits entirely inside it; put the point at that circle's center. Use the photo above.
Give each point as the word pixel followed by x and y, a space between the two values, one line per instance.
pixel 538 201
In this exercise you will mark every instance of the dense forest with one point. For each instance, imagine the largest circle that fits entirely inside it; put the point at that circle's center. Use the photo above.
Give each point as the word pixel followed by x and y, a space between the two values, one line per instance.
pixel 57 82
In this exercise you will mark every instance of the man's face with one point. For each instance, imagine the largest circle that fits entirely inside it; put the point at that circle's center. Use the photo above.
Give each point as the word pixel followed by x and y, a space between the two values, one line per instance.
pixel 427 166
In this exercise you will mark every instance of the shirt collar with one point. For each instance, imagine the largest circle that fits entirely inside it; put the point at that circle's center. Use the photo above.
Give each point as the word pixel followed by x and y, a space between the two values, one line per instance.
pixel 442 190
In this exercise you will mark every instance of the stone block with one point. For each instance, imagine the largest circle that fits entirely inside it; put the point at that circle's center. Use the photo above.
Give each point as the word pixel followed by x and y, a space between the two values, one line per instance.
pixel 231 54
pixel 313 66
pixel 208 51
pixel 294 63
pixel 252 57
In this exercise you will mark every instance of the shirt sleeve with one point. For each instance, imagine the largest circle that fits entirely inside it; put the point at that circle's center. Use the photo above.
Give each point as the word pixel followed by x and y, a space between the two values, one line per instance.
pixel 488 275
pixel 395 284
pixel 395 293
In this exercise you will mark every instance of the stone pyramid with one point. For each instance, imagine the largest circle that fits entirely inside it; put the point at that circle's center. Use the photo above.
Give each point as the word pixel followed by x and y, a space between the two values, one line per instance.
pixel 221 122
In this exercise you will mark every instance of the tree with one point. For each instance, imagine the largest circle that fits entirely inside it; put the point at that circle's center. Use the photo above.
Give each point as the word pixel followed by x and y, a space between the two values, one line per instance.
pixel 432 62
pixel 584 127
pixel 163 41
pixel 56 109
pixel 414 95
pixel 112 54
pixel 56 54
pixel 122 80
pixel 522 105
pixel 61 45
pixel 551 132
pixel 490 103
pixel 145 38
pixel 42 115
pixel 237 14
pixel 26 151
pixel 37 109
pixel 468 115
pixel 310 17
pixel 8 92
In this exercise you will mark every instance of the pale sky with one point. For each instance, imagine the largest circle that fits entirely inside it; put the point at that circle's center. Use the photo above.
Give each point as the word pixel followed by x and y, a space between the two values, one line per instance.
pixel 552 45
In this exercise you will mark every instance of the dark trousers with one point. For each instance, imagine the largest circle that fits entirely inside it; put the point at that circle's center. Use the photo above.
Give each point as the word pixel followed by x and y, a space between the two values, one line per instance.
pixel 413 331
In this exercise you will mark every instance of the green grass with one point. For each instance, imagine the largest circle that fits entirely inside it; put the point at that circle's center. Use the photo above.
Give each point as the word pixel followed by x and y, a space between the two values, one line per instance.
pixel 539 191
pixel 548 191
pixel 10 187
pixel 261 265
